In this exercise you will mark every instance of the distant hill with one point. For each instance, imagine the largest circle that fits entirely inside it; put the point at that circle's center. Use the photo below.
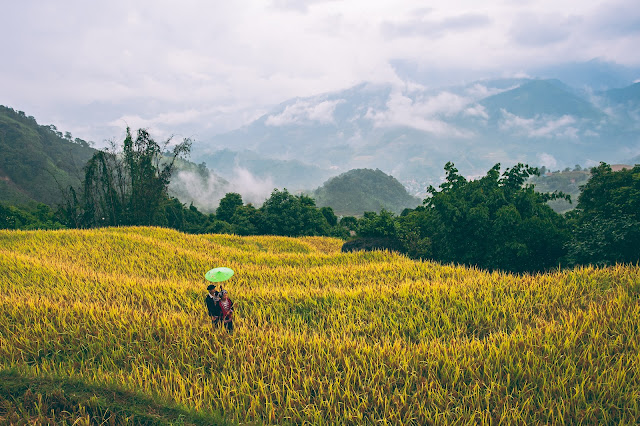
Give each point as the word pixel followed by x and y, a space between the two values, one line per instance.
pixel 625 95
pixel 364 190
pixel 634 160
pixel 549 97
pixel 36 161
pixel 568 182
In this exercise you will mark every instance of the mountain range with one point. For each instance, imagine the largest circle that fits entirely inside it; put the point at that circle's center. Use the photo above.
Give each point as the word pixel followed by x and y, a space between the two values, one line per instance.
pixel 410 131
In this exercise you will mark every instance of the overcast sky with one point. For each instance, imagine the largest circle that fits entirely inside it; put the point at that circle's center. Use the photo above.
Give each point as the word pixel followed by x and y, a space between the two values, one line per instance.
pixel 92 67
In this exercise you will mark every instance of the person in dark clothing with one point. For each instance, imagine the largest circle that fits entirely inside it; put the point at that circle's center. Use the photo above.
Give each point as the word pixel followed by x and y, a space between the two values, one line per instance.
pixel 226 310
pixel 212 301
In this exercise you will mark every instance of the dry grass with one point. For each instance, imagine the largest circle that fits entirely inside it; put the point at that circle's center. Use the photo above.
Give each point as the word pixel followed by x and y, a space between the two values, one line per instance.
pixel 321 336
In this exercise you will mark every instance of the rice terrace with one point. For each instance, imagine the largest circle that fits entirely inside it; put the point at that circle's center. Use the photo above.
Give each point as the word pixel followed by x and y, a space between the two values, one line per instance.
pixel 109 325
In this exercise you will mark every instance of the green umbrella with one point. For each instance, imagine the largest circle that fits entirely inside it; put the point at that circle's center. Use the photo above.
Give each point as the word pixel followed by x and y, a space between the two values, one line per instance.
pixel 219 274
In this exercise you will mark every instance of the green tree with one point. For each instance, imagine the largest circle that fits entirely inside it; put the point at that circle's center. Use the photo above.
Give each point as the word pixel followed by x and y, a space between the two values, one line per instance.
pixel 378 225
pixel 287 214
pixel 39 216
pixel 125 188
pixel 495 222
pixel 607 218
pixel 329 215
pixel 247 220
pixel 228 205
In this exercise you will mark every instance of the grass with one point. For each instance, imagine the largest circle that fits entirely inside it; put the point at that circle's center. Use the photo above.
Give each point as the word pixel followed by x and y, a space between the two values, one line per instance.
pixel 321 336
pixel 59 400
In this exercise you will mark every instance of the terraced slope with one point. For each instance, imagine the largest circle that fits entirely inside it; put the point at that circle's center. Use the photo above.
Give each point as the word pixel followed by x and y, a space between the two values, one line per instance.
pixel 321 336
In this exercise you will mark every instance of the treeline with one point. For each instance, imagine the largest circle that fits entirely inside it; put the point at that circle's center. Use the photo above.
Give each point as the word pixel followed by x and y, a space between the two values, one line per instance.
pixel 497 222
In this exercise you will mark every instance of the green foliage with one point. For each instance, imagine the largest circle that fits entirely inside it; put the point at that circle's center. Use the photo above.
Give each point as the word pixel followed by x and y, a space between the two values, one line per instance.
pixel 39 217
pixel 568 182
pixel 247 220
pixel 377 225
pixel 125 188
pixel 329 215
pixel 292 215
pixel 496 222
pixel 607 218
pixel 349 222
pixel 228 205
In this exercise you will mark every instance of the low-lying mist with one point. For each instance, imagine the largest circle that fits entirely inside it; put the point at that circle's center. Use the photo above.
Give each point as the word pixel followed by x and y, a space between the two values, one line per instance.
pixel 205 191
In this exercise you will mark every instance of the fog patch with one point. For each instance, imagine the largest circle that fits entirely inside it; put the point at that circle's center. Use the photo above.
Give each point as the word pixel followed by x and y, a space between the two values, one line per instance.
pixel 205 190
pixel 548 161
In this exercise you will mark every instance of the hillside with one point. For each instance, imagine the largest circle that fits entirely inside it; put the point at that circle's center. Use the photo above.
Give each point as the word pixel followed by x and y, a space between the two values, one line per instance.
pixel 37 161
pixel 109 325
pixel 364 190
pixel 537 97
pixel 568 182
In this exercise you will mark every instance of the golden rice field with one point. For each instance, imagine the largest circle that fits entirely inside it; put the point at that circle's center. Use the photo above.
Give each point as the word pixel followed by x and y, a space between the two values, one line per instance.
pixel 322 337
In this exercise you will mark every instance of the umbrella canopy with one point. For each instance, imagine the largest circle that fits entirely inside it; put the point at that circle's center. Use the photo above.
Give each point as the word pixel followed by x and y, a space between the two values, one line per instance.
pixel 218 274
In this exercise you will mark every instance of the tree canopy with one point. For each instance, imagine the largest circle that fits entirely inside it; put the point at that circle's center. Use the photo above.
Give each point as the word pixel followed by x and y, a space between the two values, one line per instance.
pixel 125 188
pixel 606 221
pixel 495 222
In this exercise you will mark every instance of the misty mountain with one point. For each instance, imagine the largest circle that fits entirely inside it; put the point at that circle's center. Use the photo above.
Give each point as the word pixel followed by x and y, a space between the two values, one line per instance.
pixel 364 190
pixel 410 131
pixel 532 98
pixel 596 75
pixel 627 96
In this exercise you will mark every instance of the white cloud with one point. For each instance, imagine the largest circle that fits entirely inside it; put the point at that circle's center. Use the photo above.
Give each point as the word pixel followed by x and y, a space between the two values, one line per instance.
pixel 303 112
pixel 86 64
pixel 539 126
pixel 477 111
pixel 547 160
pixel 426 113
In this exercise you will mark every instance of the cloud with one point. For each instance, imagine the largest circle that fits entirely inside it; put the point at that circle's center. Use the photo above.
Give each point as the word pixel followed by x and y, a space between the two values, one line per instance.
pixel 547 160
pixel 541 30
pixel 477 111
pixel 421 27
pixel 615 19
pixel 301 6
pixel 538 126
pixel 254 190
pixel 304 112
pixel 84 65
pixel 426 113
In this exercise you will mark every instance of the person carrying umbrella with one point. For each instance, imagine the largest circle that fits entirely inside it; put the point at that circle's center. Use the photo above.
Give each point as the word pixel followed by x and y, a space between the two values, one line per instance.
pixel 226 311
pixel 212 301
pixel 219 305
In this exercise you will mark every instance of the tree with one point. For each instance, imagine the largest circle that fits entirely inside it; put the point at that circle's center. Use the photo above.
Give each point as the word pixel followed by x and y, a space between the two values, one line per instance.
pixel 495 222
pixel 329 215
pixel 228 205
pixel 607 218
pixel 128 187
pixel 377 225
pixel 291 215
pixel 247 220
